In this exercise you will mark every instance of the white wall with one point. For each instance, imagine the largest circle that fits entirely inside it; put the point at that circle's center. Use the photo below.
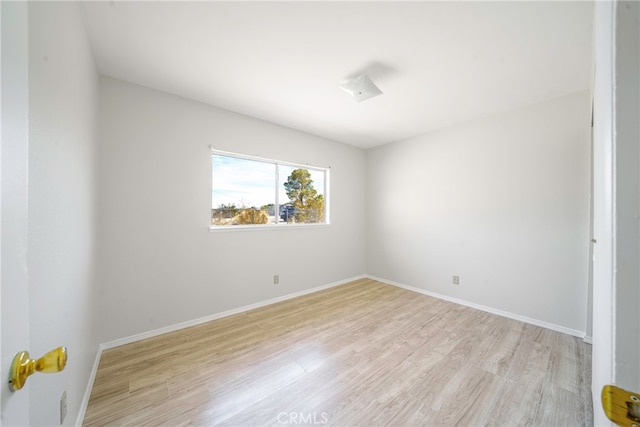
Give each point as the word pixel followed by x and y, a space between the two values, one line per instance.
pixel 63 95
pixel 501 202
pixel 159 263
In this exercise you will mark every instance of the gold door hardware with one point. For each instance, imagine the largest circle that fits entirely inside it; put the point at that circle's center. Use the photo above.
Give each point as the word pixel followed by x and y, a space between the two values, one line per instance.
pixel 621 406
pixel 22 366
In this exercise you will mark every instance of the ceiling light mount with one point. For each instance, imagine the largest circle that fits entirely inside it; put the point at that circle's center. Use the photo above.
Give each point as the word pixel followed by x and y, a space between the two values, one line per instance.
pixel 361 88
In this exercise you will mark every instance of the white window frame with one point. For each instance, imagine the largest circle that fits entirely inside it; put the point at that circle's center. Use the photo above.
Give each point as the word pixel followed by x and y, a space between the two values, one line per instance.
pixel 277 225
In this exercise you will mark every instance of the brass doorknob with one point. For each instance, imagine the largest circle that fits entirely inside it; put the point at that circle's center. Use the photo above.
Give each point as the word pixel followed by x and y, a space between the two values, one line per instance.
pixel 22 366
pixel 621 406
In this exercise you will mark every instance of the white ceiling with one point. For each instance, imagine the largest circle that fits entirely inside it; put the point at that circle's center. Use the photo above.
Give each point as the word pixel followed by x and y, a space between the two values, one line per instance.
pixel 438 63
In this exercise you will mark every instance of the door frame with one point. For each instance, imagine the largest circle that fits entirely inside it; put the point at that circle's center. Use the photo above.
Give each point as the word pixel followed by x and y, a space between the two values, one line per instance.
pixel 604 309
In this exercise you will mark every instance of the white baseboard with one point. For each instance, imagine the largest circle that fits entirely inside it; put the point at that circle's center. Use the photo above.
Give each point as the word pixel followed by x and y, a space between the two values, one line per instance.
pixel 194 322
pixel 491 310
pixel 87 393
pixel 588 339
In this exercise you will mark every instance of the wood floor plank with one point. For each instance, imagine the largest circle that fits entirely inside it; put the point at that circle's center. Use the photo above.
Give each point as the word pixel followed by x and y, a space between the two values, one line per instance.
pixel 559 407
pixel 363 353
pixel 473 401
pixel 517 404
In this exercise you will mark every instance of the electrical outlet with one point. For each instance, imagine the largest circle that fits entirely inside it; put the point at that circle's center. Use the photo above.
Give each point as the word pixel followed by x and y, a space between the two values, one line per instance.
pixel 456 280
pixel 63 407
pixel 276 279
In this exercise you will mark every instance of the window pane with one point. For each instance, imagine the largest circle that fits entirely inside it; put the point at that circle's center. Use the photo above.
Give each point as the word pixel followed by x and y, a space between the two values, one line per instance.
pixel 243 191
pixel 301 195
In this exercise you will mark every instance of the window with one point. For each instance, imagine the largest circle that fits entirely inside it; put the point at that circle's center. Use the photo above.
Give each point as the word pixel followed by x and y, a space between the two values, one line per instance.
pixel 255 192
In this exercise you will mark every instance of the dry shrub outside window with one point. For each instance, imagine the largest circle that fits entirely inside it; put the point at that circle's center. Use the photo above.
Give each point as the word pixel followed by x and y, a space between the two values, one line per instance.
pixel 251 216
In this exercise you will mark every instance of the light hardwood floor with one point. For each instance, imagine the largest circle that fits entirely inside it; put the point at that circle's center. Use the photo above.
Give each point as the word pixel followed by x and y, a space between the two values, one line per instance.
pixel 364 353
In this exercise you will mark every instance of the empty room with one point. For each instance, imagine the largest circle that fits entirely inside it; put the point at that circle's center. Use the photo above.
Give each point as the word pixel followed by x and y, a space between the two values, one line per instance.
pixel 320 213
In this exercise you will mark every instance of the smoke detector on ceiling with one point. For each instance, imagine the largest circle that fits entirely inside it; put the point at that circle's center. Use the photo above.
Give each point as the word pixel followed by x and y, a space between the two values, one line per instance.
pixel 361 88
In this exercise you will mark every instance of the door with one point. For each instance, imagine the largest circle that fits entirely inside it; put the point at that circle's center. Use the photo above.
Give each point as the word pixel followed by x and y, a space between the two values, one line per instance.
pixel 616 286
pixel 14 137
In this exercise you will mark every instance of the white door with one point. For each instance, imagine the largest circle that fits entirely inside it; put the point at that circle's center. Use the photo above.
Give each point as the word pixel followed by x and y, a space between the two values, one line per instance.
pixel 14 319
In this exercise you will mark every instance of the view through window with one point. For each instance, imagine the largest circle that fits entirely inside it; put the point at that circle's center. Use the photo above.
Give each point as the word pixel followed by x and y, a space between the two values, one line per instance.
pixel 247 191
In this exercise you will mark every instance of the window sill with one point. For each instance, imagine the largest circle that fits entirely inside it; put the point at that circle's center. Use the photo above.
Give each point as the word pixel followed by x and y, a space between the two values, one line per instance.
pixel 224 229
